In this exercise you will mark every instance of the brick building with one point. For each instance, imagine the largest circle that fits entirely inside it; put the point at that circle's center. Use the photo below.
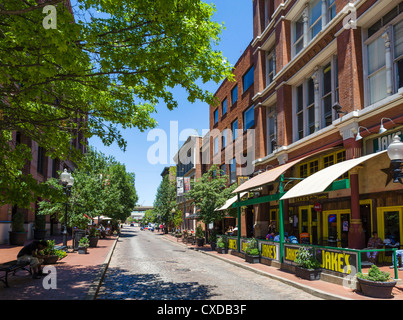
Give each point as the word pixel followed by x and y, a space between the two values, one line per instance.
pixel 323 71
pixel 188 168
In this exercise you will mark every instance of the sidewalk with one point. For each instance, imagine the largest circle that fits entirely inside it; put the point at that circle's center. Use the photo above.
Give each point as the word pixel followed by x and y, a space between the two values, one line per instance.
pixel 325 290
pixel 77 275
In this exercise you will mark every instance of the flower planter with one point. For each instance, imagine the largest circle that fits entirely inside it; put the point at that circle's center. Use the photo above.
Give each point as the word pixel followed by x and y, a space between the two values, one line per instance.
pixel 376 289
pixel 308 274
pixel 222 250
pixel 82 250
pixel 93 241
pixel 39 234
pixel 252 259
pixel 200 242
pixel 17 238
pixel 52 259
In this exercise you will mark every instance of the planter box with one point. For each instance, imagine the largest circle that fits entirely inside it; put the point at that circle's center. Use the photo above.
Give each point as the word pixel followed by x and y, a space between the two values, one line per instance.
pixel 252 259
pixel 200 242
pixel 50 259
pixel 82 250
pixel 93 241
pixel 376 289
pixel 17 238
pixel 308 274
pixel 222 250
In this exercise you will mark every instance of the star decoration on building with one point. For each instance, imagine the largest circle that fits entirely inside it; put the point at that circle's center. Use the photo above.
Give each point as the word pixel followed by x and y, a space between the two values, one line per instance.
pixel 389 173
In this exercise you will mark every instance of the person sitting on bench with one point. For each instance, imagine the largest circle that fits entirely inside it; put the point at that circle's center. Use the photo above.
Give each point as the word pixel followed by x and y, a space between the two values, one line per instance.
pixel 30 253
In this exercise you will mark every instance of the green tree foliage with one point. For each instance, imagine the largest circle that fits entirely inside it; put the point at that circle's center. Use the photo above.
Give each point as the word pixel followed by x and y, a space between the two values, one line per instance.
pixel 210 192
pixel 102 70
pixel 101 187
pixel 165 199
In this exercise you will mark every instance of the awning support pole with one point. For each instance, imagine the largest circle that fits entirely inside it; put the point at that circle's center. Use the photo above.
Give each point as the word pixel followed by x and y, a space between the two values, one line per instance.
pixel 281 217
pixel 239 225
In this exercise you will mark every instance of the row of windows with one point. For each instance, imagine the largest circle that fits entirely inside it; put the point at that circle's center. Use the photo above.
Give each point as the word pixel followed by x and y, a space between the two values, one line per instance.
pixel 308 168
pixel 248 122
pixel 247 82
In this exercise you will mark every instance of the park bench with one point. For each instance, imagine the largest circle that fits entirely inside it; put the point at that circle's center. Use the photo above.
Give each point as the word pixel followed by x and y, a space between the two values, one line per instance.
pixel 12 267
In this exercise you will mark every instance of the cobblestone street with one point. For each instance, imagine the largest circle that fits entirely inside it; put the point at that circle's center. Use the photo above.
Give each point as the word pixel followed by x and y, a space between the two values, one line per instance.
pixel 145 266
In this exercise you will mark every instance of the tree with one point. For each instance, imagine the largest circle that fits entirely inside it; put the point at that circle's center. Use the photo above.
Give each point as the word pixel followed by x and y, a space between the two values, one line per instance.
pixel 103 73
pixel 101 187
pixel 209 193
pixel 165 199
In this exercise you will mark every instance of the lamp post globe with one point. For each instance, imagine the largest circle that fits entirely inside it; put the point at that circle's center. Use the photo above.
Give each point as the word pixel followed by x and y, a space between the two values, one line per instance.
pixel 395 149
pixel 65 177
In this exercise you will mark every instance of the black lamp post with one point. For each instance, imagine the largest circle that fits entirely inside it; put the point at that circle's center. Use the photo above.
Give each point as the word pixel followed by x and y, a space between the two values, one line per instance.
pixel 395 153
pixel 67 181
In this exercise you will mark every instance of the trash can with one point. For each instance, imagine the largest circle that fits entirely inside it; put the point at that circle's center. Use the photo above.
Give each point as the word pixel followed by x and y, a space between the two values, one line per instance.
pixel 78 234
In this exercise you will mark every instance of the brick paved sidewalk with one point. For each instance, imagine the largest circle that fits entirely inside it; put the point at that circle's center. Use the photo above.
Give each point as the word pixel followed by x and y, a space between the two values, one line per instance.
pixel 77 274
pixel 324 289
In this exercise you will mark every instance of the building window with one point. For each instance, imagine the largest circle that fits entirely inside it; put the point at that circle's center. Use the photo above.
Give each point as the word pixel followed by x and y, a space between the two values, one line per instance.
pixel 249 118
pixel 331 9
pixel 309 168
pixel 270 67
pixel 232 171
pixel 271 130
pixel 215 147
pixel 234 94
pixel 222 169
pixel 224 106
pixel 398 39
pixel 41 160
pixel 311 105
pixel 234 127
pixel 224 138
pixel 384 51
pixel 327 95
pixel 377 70
pixel 247 79
pixel 315 18
pixel 215 116
pixel 300 112
pixel 299 35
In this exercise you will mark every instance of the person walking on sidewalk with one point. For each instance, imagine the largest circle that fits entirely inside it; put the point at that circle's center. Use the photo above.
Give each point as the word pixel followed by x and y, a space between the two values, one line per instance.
pixel 30 253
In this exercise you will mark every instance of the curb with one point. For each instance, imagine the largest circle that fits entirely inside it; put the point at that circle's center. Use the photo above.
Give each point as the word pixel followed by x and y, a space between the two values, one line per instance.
pixel 312 291
pixel 96 283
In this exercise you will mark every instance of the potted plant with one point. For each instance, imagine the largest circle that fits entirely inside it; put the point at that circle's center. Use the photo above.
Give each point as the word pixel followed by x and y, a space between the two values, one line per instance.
pixel 213 240
pixel 18 235
pixel 308 267
pixel 252 254
pixel 83 245
pixel 52 255
pixel 40 227
pixel 376 284
pixel 93 236
pixel 199 236
pixel 222 246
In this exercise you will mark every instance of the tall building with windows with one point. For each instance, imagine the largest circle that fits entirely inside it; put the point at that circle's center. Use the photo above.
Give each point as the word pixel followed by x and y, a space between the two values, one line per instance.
pixel 326 78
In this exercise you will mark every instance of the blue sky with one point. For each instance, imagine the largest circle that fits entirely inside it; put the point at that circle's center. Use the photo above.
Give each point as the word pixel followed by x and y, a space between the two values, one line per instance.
pixel 237 18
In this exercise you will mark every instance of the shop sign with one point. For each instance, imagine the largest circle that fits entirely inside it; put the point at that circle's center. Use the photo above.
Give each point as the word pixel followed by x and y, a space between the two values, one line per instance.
pixel 179 186
pixel 312 197
pixel 333 260
pixel 232 244
pixel 338 261
pixel 317 207
pixel 382 143
pixel 244 243
pixel 269 250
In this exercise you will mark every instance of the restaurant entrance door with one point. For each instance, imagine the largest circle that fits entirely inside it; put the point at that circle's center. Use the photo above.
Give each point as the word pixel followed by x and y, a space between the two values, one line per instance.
pixel 309 223
pixel 335 227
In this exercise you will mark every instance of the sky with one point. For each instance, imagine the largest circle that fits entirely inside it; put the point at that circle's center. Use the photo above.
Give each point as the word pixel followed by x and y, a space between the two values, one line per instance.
pixel 237 18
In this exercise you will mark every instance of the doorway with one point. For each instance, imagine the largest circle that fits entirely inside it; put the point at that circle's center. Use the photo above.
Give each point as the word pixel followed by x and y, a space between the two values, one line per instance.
pixel 309 223
pixel 336 224
pixel 249 221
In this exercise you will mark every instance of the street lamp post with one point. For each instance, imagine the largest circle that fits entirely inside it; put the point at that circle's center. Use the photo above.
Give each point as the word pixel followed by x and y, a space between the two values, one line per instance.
pixel 395 153
pixel 67 181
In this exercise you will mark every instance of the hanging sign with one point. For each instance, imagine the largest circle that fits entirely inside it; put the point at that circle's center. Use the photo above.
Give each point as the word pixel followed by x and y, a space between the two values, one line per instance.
pixel 317 207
